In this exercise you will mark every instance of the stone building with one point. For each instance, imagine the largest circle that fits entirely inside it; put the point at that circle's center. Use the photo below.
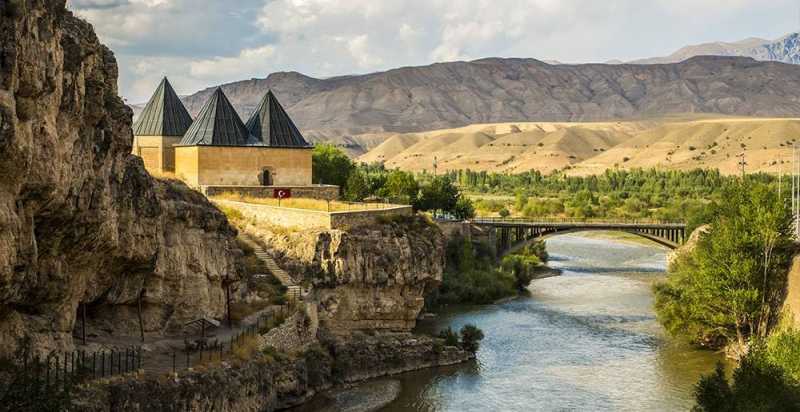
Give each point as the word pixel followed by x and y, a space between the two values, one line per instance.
pixel 217 152
pixel 218 149
pixel 160 126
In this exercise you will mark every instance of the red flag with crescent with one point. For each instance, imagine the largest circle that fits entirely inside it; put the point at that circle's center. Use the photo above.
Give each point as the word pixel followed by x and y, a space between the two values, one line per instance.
pixel 281 193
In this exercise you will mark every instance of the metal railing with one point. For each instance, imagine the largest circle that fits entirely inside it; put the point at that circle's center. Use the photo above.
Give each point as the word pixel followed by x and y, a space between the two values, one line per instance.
pixel 567 220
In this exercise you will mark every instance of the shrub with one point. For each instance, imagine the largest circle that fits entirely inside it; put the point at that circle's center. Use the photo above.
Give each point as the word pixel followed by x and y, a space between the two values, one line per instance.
pixel 757 385
pixel 504 212
pixel 449 336
pixel 471 337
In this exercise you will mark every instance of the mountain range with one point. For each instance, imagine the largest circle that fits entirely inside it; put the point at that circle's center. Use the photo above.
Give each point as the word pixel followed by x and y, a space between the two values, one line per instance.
pixel 445 95
pixel 785 49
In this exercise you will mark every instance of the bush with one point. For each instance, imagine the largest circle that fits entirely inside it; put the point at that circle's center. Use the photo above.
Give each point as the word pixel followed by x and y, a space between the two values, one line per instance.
pixel 504 212
pixel 757 385
pixel 449 336
pixel 471 337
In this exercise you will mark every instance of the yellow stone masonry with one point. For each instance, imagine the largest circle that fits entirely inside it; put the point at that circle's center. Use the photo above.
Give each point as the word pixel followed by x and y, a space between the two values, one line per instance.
pixel 243 166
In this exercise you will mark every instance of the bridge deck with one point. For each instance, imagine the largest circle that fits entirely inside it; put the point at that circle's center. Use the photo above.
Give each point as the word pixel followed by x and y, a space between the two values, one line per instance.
pixel 575 224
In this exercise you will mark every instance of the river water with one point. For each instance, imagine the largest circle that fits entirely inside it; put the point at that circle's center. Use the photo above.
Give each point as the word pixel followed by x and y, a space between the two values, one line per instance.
pixel 587 340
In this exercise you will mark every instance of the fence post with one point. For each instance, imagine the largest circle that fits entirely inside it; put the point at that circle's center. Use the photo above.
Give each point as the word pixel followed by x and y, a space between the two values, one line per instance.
pixel 64 376
pixel 102 364
pixel 94 365
pixel 47 383
pixel 173 362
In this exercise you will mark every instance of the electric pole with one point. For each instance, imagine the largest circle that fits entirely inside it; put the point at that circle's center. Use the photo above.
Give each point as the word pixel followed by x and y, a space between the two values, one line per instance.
pixel 742 164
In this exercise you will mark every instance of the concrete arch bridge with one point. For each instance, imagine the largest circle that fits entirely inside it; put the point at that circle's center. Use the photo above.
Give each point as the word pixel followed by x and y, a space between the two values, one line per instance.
pixel 511 234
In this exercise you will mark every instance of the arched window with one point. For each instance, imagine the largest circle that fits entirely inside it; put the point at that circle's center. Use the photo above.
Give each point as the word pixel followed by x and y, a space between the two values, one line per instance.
pixel 265 178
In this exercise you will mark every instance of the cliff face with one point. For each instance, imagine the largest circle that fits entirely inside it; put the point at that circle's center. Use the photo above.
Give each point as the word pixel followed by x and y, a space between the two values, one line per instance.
pixel 367 278
pixel 80 219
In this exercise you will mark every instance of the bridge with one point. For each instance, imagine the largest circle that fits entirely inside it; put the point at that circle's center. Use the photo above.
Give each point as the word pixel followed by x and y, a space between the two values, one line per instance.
pixel 511 234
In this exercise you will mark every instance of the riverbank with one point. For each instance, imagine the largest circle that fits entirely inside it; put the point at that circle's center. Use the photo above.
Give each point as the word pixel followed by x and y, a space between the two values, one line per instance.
pixel 270 381
pixel 585 340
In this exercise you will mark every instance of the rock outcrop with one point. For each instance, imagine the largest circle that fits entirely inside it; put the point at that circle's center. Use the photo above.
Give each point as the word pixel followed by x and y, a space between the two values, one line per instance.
pixel 265 384
pixel 81 222
pixel 366 278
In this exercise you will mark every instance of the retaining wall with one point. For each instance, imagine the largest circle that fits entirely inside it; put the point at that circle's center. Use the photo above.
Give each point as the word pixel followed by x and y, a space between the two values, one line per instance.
pixel 304 218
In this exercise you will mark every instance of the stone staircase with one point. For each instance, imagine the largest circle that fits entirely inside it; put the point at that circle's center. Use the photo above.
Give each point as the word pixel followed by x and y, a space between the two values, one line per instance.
pixel 293 291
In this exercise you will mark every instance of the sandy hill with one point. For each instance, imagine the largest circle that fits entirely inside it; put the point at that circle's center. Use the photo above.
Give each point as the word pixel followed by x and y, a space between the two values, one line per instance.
pixel 504 90
pixel 677 142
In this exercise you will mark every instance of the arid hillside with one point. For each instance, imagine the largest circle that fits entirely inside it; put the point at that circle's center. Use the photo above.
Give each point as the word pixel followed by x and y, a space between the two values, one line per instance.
pixel 455 94
pixel 587 148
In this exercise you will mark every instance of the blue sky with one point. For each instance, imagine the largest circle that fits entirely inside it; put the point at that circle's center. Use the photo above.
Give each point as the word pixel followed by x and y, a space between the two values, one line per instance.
pixel 199 43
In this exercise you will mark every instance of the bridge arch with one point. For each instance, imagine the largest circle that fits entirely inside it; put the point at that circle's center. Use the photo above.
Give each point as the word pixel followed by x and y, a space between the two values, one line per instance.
pixel 513 234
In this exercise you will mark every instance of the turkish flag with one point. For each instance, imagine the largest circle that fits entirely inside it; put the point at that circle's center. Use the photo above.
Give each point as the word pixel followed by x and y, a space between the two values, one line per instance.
pixel 281 193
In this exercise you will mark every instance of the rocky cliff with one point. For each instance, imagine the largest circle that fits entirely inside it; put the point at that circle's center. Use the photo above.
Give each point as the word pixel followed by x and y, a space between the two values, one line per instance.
pixel 446 95
pixel 81 222
pixel 367 278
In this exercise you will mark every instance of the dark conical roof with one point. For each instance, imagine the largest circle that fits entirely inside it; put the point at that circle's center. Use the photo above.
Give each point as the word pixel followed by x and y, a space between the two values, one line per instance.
pixel 272 126
pixel 218 125
pixel 164 114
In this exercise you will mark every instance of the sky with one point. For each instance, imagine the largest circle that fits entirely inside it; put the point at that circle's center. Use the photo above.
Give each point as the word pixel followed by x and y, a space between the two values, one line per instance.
pixel 201 43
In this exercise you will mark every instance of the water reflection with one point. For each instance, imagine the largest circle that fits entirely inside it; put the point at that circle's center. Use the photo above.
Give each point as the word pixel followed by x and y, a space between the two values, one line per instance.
pixel 586 340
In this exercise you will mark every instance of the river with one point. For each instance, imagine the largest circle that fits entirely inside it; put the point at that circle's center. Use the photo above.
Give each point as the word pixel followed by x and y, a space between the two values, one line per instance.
pixel 587 340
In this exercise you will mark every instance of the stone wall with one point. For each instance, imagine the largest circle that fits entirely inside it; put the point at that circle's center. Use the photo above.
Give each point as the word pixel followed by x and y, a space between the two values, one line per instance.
pixel 306 219
pixel 242 166
pixel 321 192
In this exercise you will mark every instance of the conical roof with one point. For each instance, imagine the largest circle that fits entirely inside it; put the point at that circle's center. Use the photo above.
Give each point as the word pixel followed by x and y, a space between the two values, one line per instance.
pixel 218 125
pixel 271 125
pixel 164 114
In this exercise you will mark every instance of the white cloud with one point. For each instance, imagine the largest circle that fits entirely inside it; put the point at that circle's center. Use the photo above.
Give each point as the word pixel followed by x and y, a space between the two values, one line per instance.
pixel 199 43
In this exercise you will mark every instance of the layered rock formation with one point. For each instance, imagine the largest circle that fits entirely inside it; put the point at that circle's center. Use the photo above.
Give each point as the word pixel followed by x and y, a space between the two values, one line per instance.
pixel 492 90
pixel 265 384
pixel 367 278
pixel 81 222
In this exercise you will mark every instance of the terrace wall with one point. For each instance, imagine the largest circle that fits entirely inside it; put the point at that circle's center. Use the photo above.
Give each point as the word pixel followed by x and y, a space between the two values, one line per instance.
pixel 305 218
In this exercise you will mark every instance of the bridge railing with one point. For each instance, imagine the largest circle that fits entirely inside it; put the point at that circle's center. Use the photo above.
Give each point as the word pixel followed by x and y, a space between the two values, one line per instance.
pixel 554 220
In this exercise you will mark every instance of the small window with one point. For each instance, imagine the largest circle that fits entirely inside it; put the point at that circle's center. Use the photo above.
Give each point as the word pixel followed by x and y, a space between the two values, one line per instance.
pixel 265 178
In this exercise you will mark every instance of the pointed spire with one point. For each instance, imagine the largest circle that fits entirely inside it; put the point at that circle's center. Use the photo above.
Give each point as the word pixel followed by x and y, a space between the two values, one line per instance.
pixel 272 126
pixel 164 114
pixel 218 125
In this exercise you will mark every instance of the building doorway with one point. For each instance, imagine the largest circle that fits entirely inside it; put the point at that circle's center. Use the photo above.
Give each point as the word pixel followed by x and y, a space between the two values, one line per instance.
pixel 265 178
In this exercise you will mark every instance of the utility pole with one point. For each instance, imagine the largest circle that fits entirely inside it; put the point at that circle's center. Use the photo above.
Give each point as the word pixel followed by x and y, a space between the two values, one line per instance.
pixel 435 164
pixel 742 164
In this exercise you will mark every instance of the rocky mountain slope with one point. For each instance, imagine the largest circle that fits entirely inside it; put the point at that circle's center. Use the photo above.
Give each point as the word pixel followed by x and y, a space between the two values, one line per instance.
pixel 81 221
pixel 785 49
pixel 592 147
pixel 446 95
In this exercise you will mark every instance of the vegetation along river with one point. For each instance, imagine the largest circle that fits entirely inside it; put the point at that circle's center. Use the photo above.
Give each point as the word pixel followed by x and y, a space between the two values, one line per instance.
pixel 585 340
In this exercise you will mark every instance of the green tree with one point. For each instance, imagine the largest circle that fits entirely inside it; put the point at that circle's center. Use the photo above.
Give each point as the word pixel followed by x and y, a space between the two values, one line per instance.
pixel 522 267
pixel 402 186
pixel 757 385
pixel 330 165
pixel 463 209
pixel 471 337
pixel 357 187
pixel 438 195
pixel 728 288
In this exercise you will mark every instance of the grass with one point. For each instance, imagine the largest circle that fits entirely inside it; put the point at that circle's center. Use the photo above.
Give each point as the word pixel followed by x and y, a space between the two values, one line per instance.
pixel 246 348
pixel 306 204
